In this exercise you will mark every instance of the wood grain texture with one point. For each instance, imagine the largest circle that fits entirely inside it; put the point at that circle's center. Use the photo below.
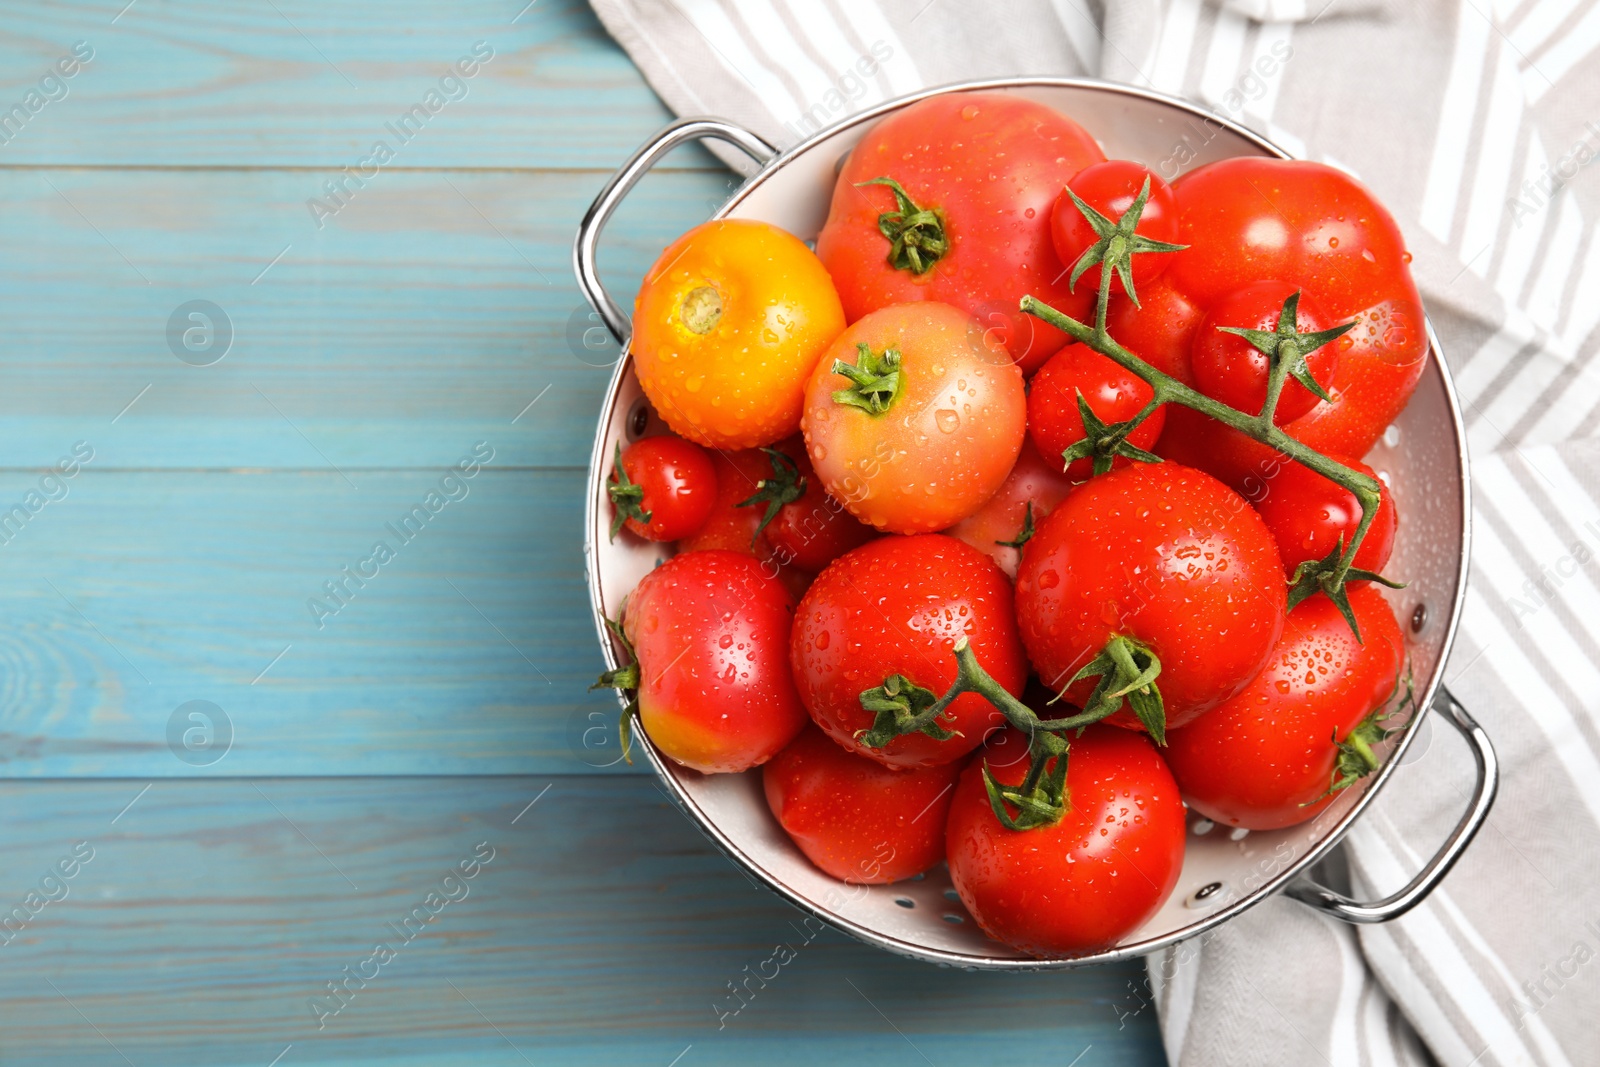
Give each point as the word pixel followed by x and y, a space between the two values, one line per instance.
pixel 601 932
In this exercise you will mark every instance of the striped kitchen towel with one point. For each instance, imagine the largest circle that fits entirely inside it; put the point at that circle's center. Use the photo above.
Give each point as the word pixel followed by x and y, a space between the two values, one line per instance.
pixel 1476 122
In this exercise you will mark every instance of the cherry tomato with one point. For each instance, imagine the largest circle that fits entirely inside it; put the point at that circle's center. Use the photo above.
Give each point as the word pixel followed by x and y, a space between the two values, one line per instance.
pixel 1310 515
pixel 1232 370
pixel 927 428
pixel 1111 188
pixel 735 528
pixel 1266 758
pixel 661 488
pixel 809 529
pixel 710 631
pixel 856 819
pixel 1113 394
pixel 1092 879
pixel 981 172
pixel 728 324
pixel 1168 557
pixel 1002 527
pixel 896 606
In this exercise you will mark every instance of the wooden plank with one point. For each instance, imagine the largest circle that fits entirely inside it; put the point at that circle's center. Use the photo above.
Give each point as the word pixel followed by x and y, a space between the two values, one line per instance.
pixel 469 652
pixel 602 931
pixel 308 84
pixel 428 312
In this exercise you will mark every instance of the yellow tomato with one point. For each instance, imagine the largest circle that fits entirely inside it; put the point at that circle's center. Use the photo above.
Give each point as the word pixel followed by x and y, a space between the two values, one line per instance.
pixel 728 325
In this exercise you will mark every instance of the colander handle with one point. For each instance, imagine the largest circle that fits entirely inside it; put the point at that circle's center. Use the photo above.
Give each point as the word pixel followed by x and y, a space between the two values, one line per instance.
pixel 1397 904
pixel 622 182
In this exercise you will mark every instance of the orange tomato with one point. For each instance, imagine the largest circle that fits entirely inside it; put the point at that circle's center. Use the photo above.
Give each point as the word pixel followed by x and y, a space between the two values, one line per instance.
pixel 926 425
pixel 728 324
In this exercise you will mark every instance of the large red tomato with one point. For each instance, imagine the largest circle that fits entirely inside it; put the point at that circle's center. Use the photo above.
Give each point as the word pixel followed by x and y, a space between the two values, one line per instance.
pixel 980 173
pixel 894 608
pixel 1266 758
pixel 1251 219
pixel 855 818
pixel 1093 878
pixel 1167 557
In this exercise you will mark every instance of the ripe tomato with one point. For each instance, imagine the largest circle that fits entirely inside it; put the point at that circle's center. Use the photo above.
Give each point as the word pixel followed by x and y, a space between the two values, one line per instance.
pixel 926 427
pixel 1111 188
pixel 896 606
pixel 1232 370
pixel 981 171
pixel 1266 758
pixel 1309 515
pixel 1168 557
pixel 735 528
pixel 1005 523
pixel 728 324
pixel 710 632
pixel 1113 395
pixel 808 528
pixel 1087 882
pixel 1250 219
pixel 856 819
pixel 661 488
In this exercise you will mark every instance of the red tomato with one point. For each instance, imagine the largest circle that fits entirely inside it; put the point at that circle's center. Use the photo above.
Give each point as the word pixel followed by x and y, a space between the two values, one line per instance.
pixel 896 606
pixel 927 428
pixel 661 488
pixel 1168 557
pixel 1309 515
pixel 1030 492
pixel 809 529
pixel 1113 394
pixel 1090 880
pixel 1266 758
pixel 1308 225
pixel 856 819
pixel 729 526
pixel 1232 370
pixel 1111 188
pixel 711 633
pixel 982 171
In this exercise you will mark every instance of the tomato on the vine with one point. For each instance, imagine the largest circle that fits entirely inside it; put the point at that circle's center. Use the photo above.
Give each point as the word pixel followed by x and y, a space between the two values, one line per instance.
pixel 1111 189
pixel 661 488
pixel 710 633
pixel 1310 516
pixel 887 616
pixel 854 818
pixel 1166 561
pixel 1005 523
pixel 726 328
pixel 1230 369
pixel 1112 393
pixel 913 417
pixel 1087 882
pixel 1273 755
pixel 965 183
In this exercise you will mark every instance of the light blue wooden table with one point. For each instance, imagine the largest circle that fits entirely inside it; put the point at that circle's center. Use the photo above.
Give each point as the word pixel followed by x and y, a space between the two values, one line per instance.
pixel 225 467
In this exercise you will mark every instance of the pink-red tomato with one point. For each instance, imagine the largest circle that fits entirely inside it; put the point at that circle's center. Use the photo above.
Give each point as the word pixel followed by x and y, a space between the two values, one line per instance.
pixel 1030 492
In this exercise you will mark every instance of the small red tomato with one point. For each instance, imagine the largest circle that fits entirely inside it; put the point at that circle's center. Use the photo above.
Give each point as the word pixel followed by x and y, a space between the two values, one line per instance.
pixel 807 528
pixel 1087 882
pixel 896 607
pixel 1112 393
pixel 1229 368
pixel 729 526
pixel 710 631
pixel 854 818
pixel 1168 558
pixel 1309 516
pixel 661 488
pixel 1111 188
pixel 1003 526
pixel 1267 758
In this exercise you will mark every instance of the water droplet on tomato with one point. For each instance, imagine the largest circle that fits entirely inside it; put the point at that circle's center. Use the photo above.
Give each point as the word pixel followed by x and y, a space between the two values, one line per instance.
pixel 947 421
pixel 726 641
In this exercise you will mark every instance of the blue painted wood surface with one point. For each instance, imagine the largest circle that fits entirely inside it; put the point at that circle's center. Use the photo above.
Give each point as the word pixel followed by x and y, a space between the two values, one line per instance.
pixel 374 747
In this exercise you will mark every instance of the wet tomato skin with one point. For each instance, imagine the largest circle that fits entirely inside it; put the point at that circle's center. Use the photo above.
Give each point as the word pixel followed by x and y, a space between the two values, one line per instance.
pixel 679 483
pixel 1112 393
pixel 1168 556
pixel 711 633
pixel 1111 188
pixel 898 605
pixel 1086 883
pixel 856 819
pixel 1033 481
